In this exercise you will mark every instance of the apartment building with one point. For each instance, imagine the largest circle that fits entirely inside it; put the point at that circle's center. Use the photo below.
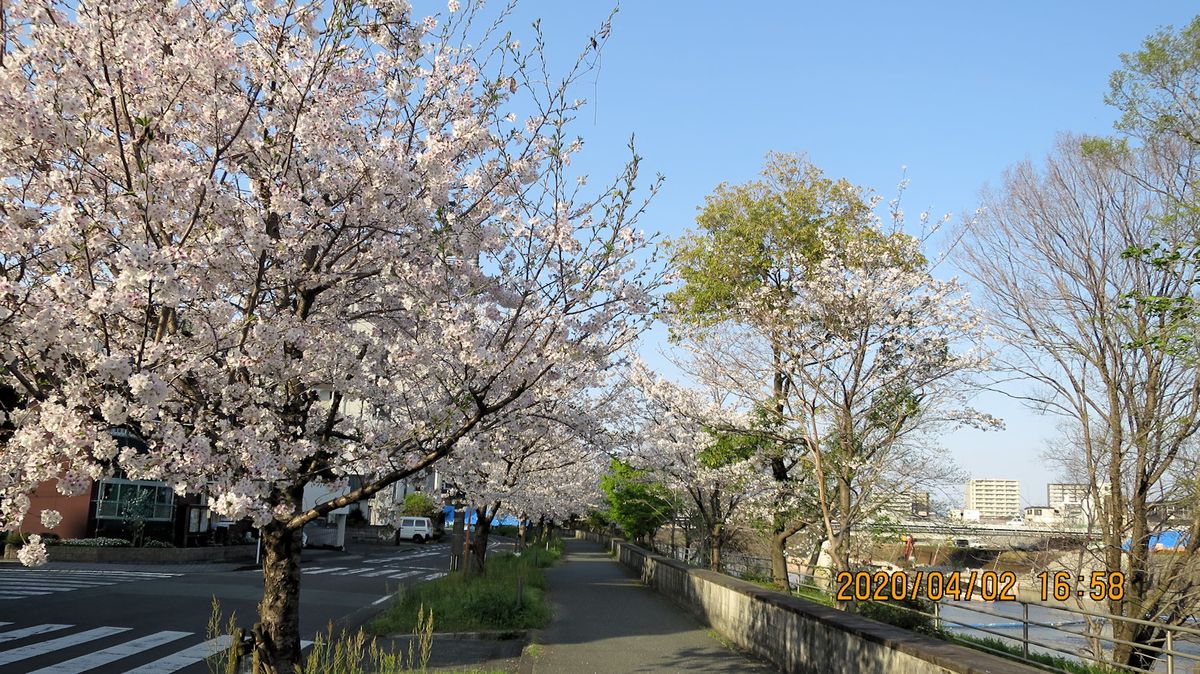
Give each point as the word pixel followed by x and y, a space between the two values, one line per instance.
pixel 994 499
pixel 1067 498
pixel 904 504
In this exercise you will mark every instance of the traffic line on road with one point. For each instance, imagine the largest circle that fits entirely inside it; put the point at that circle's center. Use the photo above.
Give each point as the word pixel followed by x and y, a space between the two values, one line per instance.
pixel 188 656
pixel 313 572
pixel 33 585
pixel 12 635
pixel 113 653
pixel 108 655
pixel 380 572
pixel 56 581
pixel 44 647
pixel 97 572
pixel 16 583
pixel 384 598
pixel 351 572
pixel 406 574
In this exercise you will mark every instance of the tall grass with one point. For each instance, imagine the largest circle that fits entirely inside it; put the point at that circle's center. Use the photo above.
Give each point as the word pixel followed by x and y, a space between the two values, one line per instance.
pixel 340 653
pixel 353 654
pixel 509 595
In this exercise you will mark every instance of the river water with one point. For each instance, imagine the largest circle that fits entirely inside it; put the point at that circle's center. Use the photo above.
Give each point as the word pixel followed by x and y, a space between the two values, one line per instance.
pixel 1005 619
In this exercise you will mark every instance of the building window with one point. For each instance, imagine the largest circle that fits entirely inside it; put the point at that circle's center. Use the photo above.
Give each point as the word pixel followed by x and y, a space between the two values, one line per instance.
pixel 135 499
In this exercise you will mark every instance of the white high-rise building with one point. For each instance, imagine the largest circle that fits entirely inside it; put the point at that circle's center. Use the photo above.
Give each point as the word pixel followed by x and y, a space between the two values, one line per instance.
pixel 1067 498
pixel 994 499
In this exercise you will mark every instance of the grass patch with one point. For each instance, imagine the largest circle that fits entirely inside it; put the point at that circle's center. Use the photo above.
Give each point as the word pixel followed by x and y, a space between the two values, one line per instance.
pixel 483 602
pixel 1014 651
pixel 813 594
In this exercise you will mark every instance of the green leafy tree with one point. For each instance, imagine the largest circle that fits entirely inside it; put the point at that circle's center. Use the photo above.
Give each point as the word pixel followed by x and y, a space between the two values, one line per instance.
pixel 752 243
pixel 1156 88
pixel 637 503
pixel 418 504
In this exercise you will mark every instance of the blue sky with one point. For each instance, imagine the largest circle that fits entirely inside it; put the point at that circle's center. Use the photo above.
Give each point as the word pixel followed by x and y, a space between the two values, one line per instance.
pixel 954 91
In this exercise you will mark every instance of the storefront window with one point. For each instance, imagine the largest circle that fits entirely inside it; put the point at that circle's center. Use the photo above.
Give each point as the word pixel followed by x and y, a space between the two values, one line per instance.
pixel 135 499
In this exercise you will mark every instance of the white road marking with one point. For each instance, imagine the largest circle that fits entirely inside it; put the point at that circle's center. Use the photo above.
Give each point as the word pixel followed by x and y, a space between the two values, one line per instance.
pixel 380 572
pixel 98 572
pixel 406 574
pixel 30 631
pixel 192 655
pixel 188 656
pixel 112 654
pixel 41 648
pixel 48 584
pixel 65 581
pixel 349 573
pixel 314 572
pixel 434 576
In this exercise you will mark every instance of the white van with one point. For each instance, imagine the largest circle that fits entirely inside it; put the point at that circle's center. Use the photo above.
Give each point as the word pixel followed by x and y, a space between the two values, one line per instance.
pixel 415 529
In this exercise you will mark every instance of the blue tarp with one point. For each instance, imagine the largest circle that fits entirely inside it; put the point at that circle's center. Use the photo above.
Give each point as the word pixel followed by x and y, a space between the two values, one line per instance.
pixel 473 517
pixel 1167 540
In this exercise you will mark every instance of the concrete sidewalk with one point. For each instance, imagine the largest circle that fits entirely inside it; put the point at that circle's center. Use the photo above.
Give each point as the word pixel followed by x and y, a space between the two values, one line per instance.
pixel 606 622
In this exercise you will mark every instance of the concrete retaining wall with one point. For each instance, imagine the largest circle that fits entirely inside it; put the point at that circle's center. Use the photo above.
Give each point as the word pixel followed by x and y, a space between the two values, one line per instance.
pixel 796 635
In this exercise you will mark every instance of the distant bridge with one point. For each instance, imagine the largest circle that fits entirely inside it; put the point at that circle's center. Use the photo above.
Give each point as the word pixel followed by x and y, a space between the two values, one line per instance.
pixel 991 534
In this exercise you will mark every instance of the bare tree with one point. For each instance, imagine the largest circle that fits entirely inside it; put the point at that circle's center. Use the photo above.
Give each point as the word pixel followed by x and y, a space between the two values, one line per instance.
pixel 1051 249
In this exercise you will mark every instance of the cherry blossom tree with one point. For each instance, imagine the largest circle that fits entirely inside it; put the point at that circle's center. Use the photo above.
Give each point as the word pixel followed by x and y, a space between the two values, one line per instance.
pixel 214 214
pixel 861 357
pixel 752 241
pixel 881 356
pixel 673 438
pixel 543 463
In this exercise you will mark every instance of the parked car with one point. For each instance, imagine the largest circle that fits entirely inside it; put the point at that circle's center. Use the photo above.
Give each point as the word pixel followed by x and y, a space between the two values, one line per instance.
pixel 416 529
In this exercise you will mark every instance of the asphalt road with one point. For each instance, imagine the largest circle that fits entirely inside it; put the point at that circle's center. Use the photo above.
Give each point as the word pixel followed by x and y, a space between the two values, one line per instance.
pixel 103 619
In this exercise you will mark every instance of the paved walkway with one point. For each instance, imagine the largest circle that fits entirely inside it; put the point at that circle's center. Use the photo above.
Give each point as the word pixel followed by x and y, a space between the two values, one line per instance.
pixel 607 622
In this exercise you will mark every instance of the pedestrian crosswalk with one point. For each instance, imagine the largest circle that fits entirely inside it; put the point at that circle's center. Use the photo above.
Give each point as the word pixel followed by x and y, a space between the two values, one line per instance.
pixel 416 564
pixel 19 582
pixel 391 572
pixel 68 649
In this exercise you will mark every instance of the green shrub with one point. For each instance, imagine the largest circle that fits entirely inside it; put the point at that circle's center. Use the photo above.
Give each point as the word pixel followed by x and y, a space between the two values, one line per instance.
pixel 102 542
pixel 18 538
pixel 151 543
pixel 901 613
pixel 506 530
pixel 540 556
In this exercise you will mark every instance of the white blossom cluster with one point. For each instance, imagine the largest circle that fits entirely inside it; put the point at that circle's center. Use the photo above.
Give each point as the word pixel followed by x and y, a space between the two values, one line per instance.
pixel 308 242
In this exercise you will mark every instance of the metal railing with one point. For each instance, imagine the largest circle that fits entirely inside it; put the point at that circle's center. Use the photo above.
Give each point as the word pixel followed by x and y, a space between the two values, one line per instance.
pixel 1167 653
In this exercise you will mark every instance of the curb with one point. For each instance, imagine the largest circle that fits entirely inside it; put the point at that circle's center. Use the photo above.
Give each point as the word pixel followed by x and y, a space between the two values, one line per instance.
pixel 487 635
pixel 525 665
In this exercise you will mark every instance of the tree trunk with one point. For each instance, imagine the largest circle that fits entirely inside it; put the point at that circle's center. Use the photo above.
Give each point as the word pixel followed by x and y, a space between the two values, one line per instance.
pixel 840 543
pixel 483 527
pixel 280 608
pixel 468 567
pixel 521 534
pixel 779 570
pixel 715 543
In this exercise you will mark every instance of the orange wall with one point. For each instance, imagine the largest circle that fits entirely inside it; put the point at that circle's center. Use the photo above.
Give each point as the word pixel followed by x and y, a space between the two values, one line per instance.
pixel 74 510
